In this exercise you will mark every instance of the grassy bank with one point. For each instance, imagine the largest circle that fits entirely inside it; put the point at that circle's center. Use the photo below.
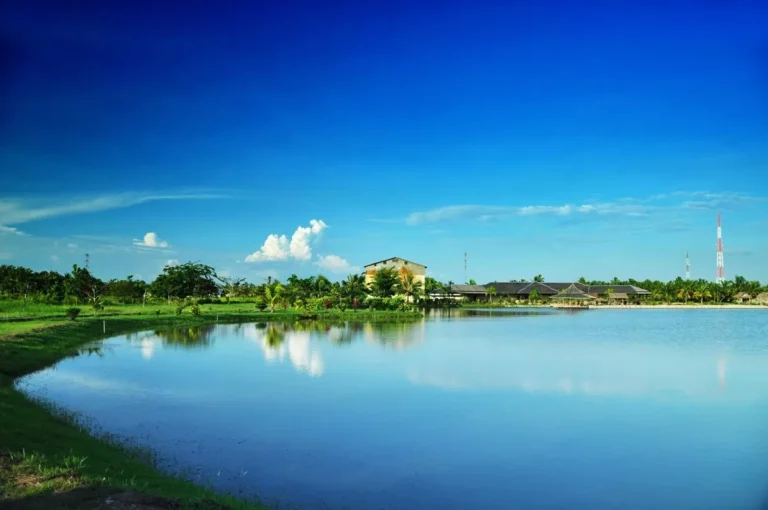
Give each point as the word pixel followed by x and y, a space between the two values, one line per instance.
pixel 48 461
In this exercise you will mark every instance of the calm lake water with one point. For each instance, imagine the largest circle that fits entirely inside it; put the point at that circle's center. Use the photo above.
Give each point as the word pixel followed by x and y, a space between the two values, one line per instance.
pixel 600 409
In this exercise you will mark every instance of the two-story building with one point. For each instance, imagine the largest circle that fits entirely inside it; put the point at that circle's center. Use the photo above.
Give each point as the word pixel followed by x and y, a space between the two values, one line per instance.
pixel 398 264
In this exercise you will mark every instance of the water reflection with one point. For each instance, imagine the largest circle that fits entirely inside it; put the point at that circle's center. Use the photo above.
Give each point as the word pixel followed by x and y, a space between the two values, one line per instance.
pixel 194 337
pixel 299 342
pixel 456 313
pixel 279 341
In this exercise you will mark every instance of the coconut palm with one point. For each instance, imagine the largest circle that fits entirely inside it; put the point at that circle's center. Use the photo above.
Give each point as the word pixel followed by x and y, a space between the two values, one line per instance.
pixel 410 286
pixel 273 295
pixel 701 290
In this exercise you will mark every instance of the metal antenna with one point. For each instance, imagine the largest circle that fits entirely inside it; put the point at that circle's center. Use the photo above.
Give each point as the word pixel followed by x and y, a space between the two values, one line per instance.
pixel 465 268
pixel 687 267
pixel 720 278
pixel 87 260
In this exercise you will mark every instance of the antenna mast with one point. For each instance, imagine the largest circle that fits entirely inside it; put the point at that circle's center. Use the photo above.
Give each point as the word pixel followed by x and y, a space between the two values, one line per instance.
pixel 720 278
pixel 87 259
pixel 687 267
pixel 465 268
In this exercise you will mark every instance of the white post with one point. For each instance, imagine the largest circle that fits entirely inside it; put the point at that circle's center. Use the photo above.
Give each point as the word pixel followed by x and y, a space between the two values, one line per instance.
pixel 104 326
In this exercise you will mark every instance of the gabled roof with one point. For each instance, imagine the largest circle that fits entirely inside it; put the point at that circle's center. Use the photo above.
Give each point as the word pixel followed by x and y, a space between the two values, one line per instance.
pixel 542 288
pixel 468 289
pixel 395 259
pixel 572 292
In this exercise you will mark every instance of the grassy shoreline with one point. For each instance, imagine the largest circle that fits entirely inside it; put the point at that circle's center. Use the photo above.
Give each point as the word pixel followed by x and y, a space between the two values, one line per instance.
pixel 48 461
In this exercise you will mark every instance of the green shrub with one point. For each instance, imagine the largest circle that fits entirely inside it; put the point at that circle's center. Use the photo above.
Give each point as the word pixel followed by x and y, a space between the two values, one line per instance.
pixel 261 303
pixel 72 313
pixel 196 310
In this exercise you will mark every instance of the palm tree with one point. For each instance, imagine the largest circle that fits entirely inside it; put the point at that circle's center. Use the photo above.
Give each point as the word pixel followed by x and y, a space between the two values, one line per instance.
pixel 353 287
pixel 273 295
pixel 538 278
pixel 685 291
pixel 533 296
pixel 490 292
pixel 701 290
pixel 410 286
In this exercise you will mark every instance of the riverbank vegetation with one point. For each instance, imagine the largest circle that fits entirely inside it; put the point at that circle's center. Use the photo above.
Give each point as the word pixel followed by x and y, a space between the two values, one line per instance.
pixel 196 289
pixel 678 291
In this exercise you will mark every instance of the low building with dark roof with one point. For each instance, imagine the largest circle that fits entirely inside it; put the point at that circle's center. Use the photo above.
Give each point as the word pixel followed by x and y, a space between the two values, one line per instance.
pixel 523 290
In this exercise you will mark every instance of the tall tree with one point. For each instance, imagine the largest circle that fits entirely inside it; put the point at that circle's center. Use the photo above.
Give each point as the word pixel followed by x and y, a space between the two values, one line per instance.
pixel 385 283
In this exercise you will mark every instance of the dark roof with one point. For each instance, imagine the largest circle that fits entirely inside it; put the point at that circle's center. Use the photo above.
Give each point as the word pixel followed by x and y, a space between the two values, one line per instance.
pixel 552 288
pixel 572 292
pixel 394 258
pixel 468 289
pixel 630 290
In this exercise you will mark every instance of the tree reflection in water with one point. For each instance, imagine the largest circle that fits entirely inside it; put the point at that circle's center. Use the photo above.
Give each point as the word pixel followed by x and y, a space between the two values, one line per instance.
pixel 300 342
pixel 192 337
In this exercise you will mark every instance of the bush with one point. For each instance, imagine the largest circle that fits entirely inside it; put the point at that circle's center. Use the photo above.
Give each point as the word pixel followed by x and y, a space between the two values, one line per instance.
pixel 196 310
pixel 72 313
pixel 261 304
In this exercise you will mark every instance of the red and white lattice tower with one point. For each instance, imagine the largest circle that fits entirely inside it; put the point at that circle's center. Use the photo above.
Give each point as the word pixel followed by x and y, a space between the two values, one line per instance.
pixel 687 267
pixel 720 263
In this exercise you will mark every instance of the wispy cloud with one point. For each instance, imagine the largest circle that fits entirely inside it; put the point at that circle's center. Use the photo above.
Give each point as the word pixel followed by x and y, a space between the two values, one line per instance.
pixel 5 256
pixel 151 240
pixel 626 207
pixel 17 211
pixel 335 264
pixel 727 200
pixel 10 230
pixel 277 247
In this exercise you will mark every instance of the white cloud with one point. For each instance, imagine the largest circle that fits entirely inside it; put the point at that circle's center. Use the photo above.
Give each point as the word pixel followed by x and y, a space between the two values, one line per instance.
pixel 630 207
pixel 151 241
pixel 11 230
pixel 23 211
pixel 277 247
pixel 55 258
pixel 297 345
pixel 5 256
pixel 172 262
pixel 335 264
pixel 274 248
pixel 72 246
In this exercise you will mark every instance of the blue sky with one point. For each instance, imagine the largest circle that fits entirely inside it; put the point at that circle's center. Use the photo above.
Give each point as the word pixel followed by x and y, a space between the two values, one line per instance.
pixel 594 141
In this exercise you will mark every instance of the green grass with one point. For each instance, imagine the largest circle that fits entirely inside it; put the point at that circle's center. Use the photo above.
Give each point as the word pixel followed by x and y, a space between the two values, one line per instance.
pixel 45 454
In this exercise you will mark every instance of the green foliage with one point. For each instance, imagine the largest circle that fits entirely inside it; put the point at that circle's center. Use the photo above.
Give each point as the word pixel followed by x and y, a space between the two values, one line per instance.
pixel 72 313
pixel 385 283
pixel 534 296
pixel 187 280
pixel 195 309
pixel 261 303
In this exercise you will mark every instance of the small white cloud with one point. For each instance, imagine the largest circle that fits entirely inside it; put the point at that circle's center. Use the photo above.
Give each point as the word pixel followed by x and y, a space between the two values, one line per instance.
pixel 277 247
pixel 335 264
pixel 72 246
pixel 151 241
pixel 55 258
pixel 5 256
pixel 11 230
pixel 172 262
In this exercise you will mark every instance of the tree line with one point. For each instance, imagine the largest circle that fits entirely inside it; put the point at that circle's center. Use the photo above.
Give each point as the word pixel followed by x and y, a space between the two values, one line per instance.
pixel 679 290
pixel 388 289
